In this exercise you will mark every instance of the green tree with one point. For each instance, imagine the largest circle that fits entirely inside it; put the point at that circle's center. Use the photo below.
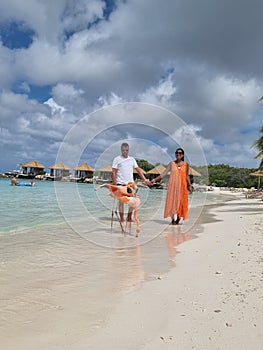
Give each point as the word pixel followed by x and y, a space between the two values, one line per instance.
pixel 259 145
pixel 144 164
pixel 222 175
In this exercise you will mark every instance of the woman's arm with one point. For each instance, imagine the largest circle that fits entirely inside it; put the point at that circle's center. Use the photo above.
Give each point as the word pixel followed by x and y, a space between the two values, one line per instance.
pixel 189 185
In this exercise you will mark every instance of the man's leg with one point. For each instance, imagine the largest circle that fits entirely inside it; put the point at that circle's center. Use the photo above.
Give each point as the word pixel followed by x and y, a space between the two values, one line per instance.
pixel 121 211
pixel 129 216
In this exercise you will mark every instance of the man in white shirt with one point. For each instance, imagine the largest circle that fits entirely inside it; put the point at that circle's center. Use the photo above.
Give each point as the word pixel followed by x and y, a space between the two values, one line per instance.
pixel 122 173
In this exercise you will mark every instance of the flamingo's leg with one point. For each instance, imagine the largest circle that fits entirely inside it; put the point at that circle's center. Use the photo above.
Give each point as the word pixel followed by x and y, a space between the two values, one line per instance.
pixel 138 229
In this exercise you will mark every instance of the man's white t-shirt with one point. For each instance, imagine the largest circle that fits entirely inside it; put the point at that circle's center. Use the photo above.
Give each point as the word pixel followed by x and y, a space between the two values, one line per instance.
pixel 124 168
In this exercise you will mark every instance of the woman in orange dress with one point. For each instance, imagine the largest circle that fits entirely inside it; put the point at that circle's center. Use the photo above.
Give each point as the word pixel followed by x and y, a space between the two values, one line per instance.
pixel 177 191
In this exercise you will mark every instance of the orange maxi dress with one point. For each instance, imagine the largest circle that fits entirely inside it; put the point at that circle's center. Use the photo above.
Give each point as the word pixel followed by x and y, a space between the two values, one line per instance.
pixel 177 193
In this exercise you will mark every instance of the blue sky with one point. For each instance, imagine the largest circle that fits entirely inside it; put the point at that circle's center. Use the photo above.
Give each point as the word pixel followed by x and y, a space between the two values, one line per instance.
pixel 15 36
pixel 62 60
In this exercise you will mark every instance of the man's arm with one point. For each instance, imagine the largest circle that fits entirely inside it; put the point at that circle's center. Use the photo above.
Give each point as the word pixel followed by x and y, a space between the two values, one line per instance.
pixel 114 176
pixel 141 174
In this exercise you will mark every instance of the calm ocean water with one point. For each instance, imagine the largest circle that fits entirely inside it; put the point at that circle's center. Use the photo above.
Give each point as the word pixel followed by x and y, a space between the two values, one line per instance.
pixel 24 208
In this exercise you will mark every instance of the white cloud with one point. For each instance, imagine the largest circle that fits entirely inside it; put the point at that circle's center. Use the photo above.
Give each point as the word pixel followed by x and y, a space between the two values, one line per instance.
pixel 55 108
pixel 161 94
pixel 49 19
pixel 41 17
pixel 6 58
pixel 105 101
pixel 213 87
pixel 80 13
pixel 43 63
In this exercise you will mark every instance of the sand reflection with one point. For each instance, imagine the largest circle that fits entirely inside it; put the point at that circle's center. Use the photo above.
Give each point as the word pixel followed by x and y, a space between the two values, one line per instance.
pixel 173 237
pixel 127 268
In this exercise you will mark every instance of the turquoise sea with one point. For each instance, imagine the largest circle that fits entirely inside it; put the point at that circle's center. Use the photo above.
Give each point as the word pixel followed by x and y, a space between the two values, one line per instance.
pixel 48 203
pixel 27 207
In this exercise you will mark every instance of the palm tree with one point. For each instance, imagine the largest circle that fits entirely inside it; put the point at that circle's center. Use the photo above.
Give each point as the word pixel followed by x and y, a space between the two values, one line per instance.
pixel 259 145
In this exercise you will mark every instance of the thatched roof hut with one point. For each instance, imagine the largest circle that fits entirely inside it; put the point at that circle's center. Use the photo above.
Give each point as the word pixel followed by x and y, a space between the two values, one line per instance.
pixel 156 170
pixel 33 167
pixel 136 175
pixel 160 168
pixel 105 172
pixel 106 168
pixel 135 171
pixel 257 173
pixel 59 169
pixel 193 172
pixel 84 170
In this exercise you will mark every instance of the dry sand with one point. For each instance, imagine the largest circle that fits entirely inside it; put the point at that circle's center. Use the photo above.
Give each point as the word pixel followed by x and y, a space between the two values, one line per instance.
pixel 213 299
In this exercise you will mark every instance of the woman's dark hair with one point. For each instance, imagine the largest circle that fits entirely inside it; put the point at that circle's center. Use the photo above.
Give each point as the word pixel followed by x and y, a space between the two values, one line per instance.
pixel 180 150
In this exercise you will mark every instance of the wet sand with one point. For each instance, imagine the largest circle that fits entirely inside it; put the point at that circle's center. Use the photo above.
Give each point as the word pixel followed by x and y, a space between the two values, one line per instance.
pixel 59 291
pixel 212 300
pixel 57 287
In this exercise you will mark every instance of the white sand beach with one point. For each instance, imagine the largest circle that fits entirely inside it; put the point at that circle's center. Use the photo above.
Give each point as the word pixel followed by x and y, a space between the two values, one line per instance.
pixel 212 299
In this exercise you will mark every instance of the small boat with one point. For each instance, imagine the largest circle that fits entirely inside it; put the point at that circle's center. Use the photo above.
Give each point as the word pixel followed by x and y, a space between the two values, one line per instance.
pixel 88 181
pixel 75 179
pixel 25 176
pixel 53 178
